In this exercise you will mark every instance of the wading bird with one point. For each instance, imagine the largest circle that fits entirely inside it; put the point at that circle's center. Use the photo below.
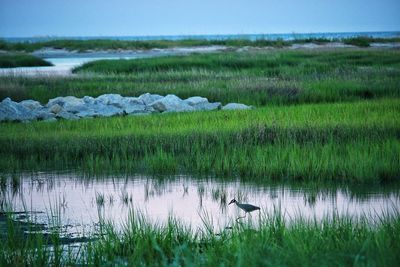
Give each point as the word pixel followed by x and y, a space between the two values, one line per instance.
pixel 246 207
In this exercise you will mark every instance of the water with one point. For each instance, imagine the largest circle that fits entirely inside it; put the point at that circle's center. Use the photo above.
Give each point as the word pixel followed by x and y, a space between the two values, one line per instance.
pixel 81 202
pixel 64 61
pixel 284 36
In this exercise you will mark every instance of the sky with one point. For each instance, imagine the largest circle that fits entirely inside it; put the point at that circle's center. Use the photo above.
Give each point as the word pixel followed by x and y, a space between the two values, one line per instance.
pixel 28 18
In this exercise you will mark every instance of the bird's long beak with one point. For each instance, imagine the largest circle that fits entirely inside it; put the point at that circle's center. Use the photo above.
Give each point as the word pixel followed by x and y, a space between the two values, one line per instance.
pixel 230 202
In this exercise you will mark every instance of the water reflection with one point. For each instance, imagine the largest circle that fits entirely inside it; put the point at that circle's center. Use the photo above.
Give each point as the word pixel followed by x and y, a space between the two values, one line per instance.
pixel 80 202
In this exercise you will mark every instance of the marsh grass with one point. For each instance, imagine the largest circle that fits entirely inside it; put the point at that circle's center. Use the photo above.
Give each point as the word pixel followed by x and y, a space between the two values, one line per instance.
pixel 107 44
pixel 366 41
pixel 349 141
pixel 255 78
pixel 9 60
pixel 332 241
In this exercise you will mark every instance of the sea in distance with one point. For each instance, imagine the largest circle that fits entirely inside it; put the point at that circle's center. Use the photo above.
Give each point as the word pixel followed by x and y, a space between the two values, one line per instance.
pixel 274 36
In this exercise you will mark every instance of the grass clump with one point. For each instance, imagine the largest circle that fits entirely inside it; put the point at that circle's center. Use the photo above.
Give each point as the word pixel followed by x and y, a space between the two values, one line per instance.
pixel 366 41
pixel 21 60
pixel 337 241
pixel 359 41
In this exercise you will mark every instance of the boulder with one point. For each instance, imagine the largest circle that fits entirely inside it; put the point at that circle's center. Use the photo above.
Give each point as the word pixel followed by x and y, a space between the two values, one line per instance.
pixel 108 111
pixel 88 99
pixel 171 103
pixel 44 115
pixel 195 100
pixel 86 113
pixel 107 105
pixel 149 98
pixel 13 111
pixel 65 102
pixel 110 99
pixel 236 106
pixel 77 109
pixel 135 108
pixel 205 106
pixel 31 104
pixel 132 101
pixel 55 108
pixel 67 116
pixel 99 110
pixel 133 105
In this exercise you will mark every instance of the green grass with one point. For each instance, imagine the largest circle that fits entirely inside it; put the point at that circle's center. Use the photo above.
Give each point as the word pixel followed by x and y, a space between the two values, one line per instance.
pixel 259 78
pixel 353 142
pixel 334 241
pixel 275 63
pixel 323 117
pixel 21 60
pixel 365 41
pixel 107 44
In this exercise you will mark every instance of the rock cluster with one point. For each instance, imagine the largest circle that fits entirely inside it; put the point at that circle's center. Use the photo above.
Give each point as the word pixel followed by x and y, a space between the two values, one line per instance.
pixel 107 105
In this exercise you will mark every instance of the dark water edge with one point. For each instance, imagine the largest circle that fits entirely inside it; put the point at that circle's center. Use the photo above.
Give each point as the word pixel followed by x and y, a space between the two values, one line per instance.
pixel 80 202
pixel 275 36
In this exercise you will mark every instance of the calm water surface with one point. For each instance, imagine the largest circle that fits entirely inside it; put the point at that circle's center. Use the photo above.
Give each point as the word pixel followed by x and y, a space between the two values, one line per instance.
pixel 64 61
pixel 81 202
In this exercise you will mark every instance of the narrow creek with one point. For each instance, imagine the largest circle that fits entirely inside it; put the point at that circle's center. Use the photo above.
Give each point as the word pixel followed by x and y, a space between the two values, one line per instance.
pixel 79 203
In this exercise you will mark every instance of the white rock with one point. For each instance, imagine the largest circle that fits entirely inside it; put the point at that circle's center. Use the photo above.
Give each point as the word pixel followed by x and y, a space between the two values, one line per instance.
pixel 66 101
pixel 132 101
pixel 195 100
pixel 56 108
pixel 208 106
pixel 236 106
pixel 67 116
pixel 148 98
pixel 110 99
pixel 88 99
pixel 171 103
pixel 45 115
pixel 135 108
pixel 13 111
pixel 31 104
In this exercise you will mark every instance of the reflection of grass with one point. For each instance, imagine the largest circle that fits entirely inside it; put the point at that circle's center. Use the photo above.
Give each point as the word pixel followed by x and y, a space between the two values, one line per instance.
pixel 348 141
pixel 3 182
pixel 334 241
pixel 126 198
pixel 21 60
pixel 100 199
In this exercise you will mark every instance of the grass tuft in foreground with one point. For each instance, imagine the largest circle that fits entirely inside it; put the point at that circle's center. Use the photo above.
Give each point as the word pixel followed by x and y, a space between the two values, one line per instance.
pixel 334 241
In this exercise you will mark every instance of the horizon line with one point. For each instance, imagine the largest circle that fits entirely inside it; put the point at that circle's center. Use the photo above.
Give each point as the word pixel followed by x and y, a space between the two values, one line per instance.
pixel 197 34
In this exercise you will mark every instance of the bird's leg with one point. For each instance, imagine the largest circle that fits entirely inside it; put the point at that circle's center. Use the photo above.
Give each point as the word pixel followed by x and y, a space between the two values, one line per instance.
pixel 241 217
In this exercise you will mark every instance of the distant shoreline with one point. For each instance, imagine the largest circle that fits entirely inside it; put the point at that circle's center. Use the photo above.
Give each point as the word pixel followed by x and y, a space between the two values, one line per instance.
pixel 267 36
pixel 137 46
